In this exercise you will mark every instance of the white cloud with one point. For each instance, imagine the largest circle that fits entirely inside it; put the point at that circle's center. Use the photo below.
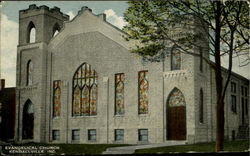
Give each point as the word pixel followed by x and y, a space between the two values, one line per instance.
pixel 115 19
pixel 1 4
pixel 9 39
pixel 71 15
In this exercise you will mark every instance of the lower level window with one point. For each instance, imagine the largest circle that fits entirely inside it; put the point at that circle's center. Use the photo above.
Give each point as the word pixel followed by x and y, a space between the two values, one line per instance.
pixel 119 135
pixel 92 135
pixel 56 135
pixel 76 134
pixel 143 134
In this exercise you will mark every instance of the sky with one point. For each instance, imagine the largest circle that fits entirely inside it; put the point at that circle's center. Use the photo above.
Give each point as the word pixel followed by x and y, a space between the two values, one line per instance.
pixel 9 29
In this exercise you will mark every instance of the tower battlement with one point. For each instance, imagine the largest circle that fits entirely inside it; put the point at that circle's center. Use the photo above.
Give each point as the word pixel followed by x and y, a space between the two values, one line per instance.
pixel 34 10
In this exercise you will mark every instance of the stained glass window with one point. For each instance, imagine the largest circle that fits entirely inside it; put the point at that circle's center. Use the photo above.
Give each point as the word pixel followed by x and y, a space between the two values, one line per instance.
pixel 143 92
pixel 176 98
pixel 29 73
pixel 84 91
pixel 56 98
pixel 175 60
pixel 119 94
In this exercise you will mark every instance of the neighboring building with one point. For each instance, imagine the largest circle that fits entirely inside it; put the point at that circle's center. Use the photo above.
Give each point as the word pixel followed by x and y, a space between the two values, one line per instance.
pixel 83 85
pixel 7 112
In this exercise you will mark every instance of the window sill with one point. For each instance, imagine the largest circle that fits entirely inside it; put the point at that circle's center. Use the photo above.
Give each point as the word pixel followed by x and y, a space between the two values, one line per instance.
pixel 79 117
pixel 143 115
pixel 118 141
pixel 201 123
pixel 92 141
pixel 75 141
pixel 234 113
pixel 119 115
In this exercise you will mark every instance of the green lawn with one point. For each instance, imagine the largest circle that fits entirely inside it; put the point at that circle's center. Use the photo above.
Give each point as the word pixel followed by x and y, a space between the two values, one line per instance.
pixel 70 149
pixel 232 146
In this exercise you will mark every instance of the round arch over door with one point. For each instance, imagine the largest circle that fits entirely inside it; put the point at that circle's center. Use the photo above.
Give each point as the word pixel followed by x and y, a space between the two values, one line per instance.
pixel 176 116
pixel 28 120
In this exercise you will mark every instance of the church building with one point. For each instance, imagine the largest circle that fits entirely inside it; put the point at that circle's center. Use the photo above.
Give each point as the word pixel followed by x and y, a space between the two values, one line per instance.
pixel 78 82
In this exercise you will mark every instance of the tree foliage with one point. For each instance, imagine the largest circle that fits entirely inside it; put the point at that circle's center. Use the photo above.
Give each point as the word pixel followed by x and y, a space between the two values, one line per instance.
pixel 159 24
pixel 219 27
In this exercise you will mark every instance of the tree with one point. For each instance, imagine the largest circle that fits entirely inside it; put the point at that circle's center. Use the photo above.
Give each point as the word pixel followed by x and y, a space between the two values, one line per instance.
pixel 224 25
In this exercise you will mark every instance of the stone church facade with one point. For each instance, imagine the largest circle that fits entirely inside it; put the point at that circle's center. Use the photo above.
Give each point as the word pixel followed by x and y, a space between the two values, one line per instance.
pixel 82 85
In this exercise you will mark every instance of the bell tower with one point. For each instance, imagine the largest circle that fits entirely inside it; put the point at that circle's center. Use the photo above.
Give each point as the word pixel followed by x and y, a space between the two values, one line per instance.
pixel 37 26
pixel 43 19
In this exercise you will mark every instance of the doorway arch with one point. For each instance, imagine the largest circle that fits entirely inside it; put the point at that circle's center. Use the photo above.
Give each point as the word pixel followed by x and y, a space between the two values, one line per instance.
pixel 176 116
pixel 28 120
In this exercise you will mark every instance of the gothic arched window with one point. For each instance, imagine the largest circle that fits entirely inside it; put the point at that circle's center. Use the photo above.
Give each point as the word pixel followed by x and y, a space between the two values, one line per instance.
pixel 31 35
pixel 201 106
pixel 143 92
pixel 119 94
pixel 56 98
pixel 175 59
pixel 29 73
pixel 84 91
pixel 176 98
pixel 56 29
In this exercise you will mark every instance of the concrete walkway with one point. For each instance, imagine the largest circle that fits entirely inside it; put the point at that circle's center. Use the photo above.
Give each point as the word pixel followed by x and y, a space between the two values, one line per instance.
pixel 131 149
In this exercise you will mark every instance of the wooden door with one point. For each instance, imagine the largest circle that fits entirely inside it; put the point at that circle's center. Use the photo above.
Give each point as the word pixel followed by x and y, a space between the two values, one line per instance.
pixel 176 120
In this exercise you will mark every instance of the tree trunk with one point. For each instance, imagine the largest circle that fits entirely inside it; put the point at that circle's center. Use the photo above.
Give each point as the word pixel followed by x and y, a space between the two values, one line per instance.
pixel 218 79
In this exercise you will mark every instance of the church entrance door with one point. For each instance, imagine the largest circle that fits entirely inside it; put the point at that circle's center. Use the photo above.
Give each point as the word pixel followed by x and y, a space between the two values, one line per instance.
pixel 176 116
pixel 28 120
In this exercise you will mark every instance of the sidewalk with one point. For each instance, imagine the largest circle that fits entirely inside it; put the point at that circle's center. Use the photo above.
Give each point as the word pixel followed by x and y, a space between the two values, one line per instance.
pixel 131 149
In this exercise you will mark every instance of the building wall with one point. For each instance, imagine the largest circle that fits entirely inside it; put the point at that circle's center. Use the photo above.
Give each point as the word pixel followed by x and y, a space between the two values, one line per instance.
pixel 90 39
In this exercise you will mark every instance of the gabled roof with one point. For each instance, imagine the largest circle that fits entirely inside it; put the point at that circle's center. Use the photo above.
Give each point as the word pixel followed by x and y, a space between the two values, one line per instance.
pixel 85 21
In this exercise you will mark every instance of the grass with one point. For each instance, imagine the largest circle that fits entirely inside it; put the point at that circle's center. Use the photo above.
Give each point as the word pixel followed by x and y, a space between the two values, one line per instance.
pixel 231 146
pixel 71 149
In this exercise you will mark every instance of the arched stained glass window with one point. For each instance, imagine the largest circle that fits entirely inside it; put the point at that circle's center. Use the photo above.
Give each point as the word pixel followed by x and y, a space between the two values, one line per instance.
pixel 29 73
pixel 56 98
pixel 201 106
pixel 175 59
pixel 76 101
pixel 143 92
pixel 176 98
pixel 119 94
pixel 84 91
